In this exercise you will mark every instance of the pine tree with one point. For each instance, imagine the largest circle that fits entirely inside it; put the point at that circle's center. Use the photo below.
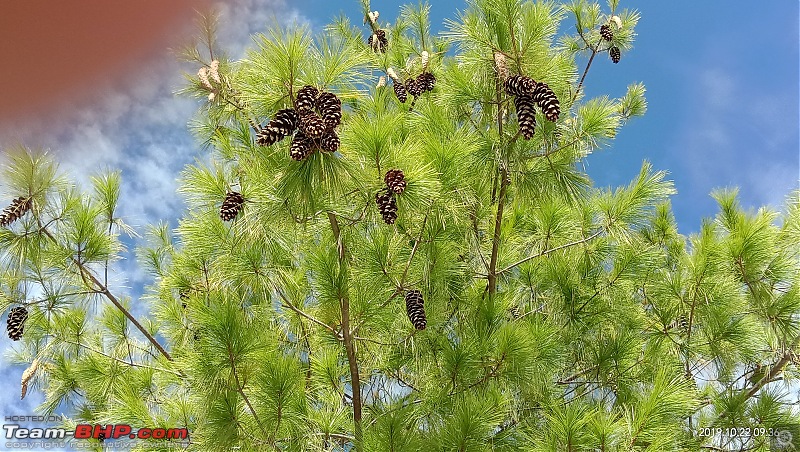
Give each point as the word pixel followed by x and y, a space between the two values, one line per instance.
pixel 497 301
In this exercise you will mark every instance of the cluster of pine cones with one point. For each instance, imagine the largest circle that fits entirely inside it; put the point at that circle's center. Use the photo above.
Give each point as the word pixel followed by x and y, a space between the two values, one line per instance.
pixel 395 184
pixel 315 118
pixel 416 87
pixel 15 325
pixel 18 208
pixel 231 206
pixel 415 309
pixel 527 94
pixel 608 34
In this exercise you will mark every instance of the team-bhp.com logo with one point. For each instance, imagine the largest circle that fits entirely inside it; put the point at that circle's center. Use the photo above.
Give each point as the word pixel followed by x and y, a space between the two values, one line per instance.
pixel 116 431
pixel 87 431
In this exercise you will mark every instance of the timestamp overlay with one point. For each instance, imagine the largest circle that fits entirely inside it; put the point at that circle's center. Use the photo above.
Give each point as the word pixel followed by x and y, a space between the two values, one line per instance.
pixel 779 439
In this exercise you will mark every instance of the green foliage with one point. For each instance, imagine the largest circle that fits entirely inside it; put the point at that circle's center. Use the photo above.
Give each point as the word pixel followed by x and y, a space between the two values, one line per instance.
pixel 560 316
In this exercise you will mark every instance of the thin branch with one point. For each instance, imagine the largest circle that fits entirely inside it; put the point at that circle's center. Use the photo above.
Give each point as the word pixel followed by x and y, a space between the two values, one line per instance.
pixel 122 361
pixel 288 304
pixel 85 272
pixel 401 286
pixel 552 250
pixel 240 389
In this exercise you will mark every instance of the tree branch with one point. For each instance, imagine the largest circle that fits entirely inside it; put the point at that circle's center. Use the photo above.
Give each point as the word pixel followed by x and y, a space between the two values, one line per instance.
pixel 85 272
pixel 347 337
pixel 240 389
pixel 552 250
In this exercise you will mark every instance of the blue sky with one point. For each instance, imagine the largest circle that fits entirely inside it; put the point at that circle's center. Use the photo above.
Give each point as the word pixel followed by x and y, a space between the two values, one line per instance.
pixel 722 81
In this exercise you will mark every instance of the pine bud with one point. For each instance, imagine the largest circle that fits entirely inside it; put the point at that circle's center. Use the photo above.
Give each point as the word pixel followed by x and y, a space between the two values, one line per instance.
pixel 202 74
pixel 381 82
pixel 500 66
pixel 27 375
pixel 424 58
pixel 213 71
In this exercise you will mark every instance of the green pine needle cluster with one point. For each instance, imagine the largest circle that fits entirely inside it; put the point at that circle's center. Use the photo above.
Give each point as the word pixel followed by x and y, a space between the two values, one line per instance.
pixel 560 316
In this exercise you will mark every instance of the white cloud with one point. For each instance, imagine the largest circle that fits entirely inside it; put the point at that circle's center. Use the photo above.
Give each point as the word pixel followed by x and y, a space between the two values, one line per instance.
pixel 137 126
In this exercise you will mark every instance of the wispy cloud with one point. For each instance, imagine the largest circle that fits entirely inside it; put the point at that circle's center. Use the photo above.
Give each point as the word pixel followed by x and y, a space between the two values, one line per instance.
pixel 137 126
pixel 740 135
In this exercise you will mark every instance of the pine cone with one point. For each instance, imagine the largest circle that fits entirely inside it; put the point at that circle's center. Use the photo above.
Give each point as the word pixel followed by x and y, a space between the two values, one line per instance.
pixel 330 141
pixel 306 98
pixel 284 121
pixel 387 205
pixel 400 91
pixel 606 32
pixel 526 115
pixel 302 146
pixel 426 81
pixel 613 52
pixel 516 85
pixel 231 206
pixel 330 107
pixel 395 180
pixel 413 87
pixel 415 309
pixel 547 100
pixel 268 136
pixel 15 324
pixel 378 41
pixel 18 208
pixel 311 124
